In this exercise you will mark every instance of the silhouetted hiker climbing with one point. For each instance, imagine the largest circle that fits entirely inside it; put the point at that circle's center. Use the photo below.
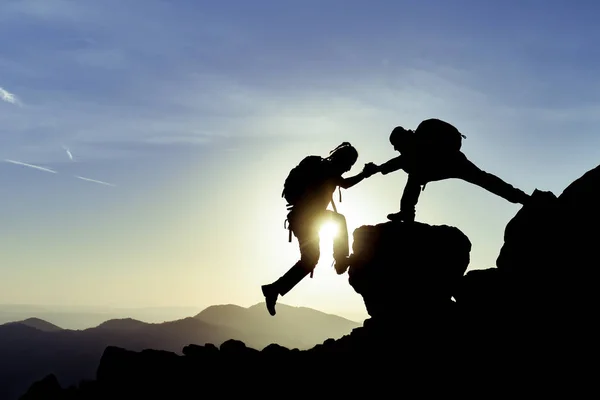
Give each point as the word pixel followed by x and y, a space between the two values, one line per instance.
pixel 309 189
pixel 432 153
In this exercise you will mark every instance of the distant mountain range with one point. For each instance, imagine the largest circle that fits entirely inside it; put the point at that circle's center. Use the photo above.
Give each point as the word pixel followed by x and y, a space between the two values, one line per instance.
pixel 36 323
pixel 82 317
pixel 33 348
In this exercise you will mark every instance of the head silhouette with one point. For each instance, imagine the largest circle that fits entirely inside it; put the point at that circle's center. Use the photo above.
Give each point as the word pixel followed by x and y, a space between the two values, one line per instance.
pixel 400 138
pixel 343 157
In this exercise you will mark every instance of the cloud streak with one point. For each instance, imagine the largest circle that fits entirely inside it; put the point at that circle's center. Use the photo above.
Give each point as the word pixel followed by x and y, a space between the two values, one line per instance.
pixel 8 97
pixel 55 172
pixel 31 166
pixel 95 181
pixel 68 152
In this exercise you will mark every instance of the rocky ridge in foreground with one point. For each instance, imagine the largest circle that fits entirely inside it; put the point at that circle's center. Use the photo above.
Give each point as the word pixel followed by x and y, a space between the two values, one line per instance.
pixel 532 314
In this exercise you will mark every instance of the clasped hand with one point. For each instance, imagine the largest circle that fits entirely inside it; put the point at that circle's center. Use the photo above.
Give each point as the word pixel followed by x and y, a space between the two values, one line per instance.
pixel 370 169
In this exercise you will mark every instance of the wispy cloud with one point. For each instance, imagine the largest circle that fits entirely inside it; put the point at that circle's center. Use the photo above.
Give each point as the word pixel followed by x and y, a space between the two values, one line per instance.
pixel 9 97
pixel 111 114
pixel 31 166
pixel 55 172
pixel 95 181
pixel 68 152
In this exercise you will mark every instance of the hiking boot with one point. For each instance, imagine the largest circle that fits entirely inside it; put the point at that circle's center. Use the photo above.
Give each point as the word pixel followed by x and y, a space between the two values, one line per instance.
pixel 271 294
pixel 401 216
pixel 342 265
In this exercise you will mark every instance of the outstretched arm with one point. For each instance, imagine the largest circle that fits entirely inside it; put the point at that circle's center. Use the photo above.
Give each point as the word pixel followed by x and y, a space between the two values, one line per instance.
pixel 368 170
pixel 346 183
pixel 391 165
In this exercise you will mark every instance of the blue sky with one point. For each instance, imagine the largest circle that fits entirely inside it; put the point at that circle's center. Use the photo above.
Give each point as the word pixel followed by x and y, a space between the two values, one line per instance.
pixel 195 112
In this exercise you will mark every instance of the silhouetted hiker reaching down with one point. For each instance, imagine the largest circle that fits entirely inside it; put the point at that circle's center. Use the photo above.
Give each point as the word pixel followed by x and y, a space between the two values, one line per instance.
pixel 309 190
pixel 432 153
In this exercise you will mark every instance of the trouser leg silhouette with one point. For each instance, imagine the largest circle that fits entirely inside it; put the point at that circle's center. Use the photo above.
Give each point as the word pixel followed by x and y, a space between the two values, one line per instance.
pixel 469 172
pixel 410 196
pixel 310 252
pixel 341 248
pixel 458 167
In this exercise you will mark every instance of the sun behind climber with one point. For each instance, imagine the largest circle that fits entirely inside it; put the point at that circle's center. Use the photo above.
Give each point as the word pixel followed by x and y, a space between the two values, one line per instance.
pixel 309 190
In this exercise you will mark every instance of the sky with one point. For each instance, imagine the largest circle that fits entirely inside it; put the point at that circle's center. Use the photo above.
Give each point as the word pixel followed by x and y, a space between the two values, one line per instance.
pixel 167 128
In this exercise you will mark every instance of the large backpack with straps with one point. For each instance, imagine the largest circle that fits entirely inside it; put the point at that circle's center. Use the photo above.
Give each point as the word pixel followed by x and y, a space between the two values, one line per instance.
pixel 308 174
pixel 302 178
pixel 439 135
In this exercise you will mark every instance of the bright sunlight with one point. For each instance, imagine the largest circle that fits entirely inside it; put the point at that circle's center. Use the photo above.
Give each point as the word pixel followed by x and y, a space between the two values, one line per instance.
pixel 328 231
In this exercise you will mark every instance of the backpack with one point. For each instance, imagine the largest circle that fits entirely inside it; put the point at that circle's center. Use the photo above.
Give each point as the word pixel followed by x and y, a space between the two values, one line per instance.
pixel 304 176
pixel 439 135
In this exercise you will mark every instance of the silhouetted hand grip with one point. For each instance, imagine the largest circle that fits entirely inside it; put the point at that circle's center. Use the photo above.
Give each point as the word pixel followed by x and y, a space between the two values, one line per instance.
pixel 370 169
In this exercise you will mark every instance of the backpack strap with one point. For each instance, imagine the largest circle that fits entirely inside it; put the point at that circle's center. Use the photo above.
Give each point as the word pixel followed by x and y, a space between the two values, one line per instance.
pixel 286 225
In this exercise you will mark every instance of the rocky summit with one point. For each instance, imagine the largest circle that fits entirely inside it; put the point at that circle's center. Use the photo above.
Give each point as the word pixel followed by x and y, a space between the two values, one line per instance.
pixel 531 314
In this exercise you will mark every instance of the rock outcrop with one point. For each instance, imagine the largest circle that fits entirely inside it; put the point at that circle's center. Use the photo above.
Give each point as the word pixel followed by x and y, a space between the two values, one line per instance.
pixel 530 314
pixel 399 267
pixel 544 286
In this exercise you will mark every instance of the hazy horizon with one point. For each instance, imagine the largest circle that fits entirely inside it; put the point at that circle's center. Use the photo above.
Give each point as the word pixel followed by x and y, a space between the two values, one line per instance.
pixel 83 317
pixel 144 144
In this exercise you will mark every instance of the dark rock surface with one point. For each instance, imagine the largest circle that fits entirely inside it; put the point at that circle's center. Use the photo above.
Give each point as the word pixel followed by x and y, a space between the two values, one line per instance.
pixel 533 314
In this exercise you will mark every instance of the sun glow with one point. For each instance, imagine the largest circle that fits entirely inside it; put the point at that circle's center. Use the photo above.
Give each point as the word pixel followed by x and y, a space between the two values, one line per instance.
pixel 328 232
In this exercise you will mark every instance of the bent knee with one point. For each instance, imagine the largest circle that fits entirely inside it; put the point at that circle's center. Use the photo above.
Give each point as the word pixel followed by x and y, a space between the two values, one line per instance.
pixel 310 258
